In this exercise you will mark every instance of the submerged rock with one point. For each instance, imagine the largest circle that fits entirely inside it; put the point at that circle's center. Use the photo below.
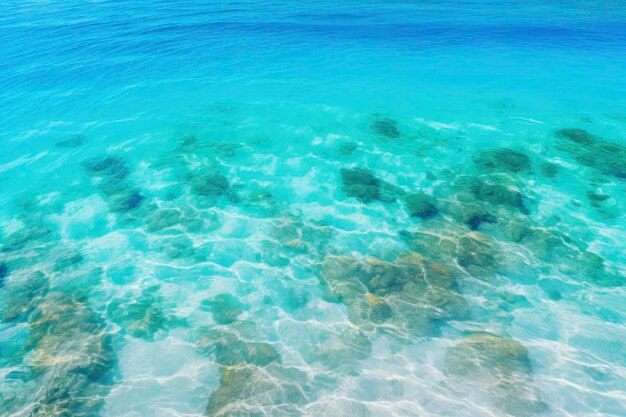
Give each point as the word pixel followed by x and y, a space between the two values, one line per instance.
pixel 604 204
pixel 502 159
pixel 22 295
pixel 111 186
pixel 162 219
pixel 288 232
pixel 480 354
pixel 435 239
pixel 570 256
pixel 361 184
pixel 188 143
pixel 125 201
pixel 107 166
pixel 254 391
pixel 229 350
pixel 594 151
pixel 390 193
pixel 225 308
pixel 408 295
pixel 25 236
pixel 503 365
pixel 497 194
pixel 71 142
pixel 236 352
pixel 142 317
pixel 180 247
pixel 484 203
pixel 549 170
pixel 110 175
pixel 381 277
pixel 496 191
pixel 299 236
pixel 338 348
pixel 420 205
pixel 379 310
pixel 387 128
pixel 272 254
pixel 68 260
pixel 191 144
pixel 477 254
pixel 210 185
pixel 548 245
pixel 347 148
pixel 509 229
pixel 71 353
pixel 4 273
pixel 575 135
pixel 227 150
pixel 473 214
pixel 260 199
pixel 596 198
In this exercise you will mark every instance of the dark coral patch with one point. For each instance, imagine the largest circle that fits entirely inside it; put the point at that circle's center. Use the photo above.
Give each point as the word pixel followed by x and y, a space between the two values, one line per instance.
pixel 24 236
pixel 502 363
pixel 361 184
pixel 449 243
pixel 143 317
pixel 580 136
pixel 502 159
pixel 347 148
pixel 472 213
pixel 125 201
pixel 597 198
pixel 409 295
pixel 111 173
pixel 549 170
pixel 225 308
pixel 71 353
pixel 230 350
pixel 570 256
pixel 187 143
pixel 606 205
pixel 22 295
pixel 107 166
pixel 213 185
pixel 491 190
pixel 594 151
pixel 480 353
pixel 162 219
pixel 4 272
pixel 249 390
pixel 71 142
pixel 389 192
pixel 180 247
pixel 68 260
pixel 420 205
pixel 386 127
pixel 498 194
pixel 478 254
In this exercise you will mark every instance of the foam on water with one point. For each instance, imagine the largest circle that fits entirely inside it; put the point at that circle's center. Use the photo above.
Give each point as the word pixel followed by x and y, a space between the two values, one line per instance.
pixel 366 209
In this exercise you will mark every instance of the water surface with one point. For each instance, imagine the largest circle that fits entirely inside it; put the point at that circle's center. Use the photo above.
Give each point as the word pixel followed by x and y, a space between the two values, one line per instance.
pixel 371 208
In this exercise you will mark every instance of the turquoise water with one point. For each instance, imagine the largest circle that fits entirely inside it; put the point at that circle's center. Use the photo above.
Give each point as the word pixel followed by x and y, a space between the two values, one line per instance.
pixel 270 208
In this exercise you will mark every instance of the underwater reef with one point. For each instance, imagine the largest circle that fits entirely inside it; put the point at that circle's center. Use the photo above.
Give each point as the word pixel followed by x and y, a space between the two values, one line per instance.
pixel 504 366
pixel 304 282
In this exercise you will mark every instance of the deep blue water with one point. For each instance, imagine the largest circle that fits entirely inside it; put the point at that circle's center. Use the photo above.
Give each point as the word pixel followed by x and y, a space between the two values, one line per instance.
pixel 273 208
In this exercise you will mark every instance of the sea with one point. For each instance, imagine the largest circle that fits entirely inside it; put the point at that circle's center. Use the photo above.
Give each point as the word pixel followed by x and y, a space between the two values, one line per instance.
pixel 409 208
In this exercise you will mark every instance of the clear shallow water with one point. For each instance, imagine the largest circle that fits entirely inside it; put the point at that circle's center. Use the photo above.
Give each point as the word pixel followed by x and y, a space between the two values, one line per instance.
pixel 186 231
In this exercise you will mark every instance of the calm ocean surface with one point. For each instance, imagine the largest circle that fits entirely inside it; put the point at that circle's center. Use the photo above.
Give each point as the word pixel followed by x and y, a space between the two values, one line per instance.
pixel 273 208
